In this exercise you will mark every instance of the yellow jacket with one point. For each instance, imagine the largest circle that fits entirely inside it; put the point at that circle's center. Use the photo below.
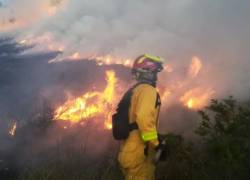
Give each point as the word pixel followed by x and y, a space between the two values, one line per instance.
pixel 144 109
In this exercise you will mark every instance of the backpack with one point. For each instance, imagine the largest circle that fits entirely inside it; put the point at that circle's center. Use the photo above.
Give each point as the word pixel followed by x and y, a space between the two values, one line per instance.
pixel 120 120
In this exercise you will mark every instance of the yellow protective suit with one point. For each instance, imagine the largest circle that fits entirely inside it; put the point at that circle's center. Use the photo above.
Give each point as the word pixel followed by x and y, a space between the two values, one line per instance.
pixel 144 109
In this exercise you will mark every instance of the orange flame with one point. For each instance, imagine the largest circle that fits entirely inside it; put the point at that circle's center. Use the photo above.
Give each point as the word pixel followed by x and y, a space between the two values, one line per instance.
pixel 100 60
pixel 190 103
pixel 24 41
pixel 108 59
pixel 195 67
pixel 75 56
pixel 90 104
pixel 46 43
pixel 197 98
pixel 12 130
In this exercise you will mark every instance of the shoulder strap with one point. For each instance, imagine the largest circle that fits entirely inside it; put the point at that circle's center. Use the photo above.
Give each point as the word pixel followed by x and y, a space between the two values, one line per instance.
pixel 158 100
pixel 126 100
pixel 133 126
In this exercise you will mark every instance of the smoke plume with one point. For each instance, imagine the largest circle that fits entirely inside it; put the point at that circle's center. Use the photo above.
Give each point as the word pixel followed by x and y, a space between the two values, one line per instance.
pixel 205 45
pixel 215 31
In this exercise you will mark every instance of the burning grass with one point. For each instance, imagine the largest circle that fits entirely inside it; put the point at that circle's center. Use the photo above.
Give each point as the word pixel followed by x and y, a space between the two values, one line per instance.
pixel 40 148
pixel 91 104
pixel 12 130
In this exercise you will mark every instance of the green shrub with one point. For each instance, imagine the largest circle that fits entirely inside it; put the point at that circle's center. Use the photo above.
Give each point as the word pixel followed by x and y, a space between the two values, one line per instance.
pixel 225 132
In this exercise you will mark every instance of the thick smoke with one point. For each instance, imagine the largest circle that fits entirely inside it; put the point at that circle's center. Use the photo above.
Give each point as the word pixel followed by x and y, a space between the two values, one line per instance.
pixel 19 14
pixel 215 31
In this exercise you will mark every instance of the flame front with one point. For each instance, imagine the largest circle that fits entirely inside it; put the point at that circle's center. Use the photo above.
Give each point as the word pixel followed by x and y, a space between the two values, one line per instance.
pixel 190 103
pixel 196 98
pixel 90 104
pixel 195 67
pixel 99 104
pixel 109 59
pixel 12 130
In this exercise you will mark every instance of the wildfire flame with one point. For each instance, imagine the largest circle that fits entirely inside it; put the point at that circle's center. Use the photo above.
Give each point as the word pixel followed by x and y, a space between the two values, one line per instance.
pixel 75 56
pixel 24 41
pixel 108 59
pixel 12 130
pixel 197 98
pixel 195 67
pixel 190 103
pixel 90 104
pixel 94 104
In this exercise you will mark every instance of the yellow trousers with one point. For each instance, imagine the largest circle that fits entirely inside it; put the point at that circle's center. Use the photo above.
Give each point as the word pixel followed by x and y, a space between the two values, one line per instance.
pixel 144 171
pixel 134 164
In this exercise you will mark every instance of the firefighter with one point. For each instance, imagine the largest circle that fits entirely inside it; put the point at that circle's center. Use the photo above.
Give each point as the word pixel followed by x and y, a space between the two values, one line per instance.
pixel 137 152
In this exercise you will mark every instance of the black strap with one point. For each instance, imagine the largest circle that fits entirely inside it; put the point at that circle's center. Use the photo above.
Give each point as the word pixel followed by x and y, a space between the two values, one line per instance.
pixel 158 101
pixel 133 126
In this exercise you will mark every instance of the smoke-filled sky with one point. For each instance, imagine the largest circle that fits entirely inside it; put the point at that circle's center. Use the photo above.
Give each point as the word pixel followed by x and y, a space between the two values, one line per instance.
pixel 217 31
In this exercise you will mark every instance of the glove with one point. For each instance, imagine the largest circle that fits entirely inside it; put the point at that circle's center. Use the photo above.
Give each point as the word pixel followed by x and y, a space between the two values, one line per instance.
pixel 162 151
